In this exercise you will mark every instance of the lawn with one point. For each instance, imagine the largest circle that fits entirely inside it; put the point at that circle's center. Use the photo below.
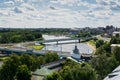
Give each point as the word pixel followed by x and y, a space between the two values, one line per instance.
pixel 3 58
pixel 92 44
pixel 37 47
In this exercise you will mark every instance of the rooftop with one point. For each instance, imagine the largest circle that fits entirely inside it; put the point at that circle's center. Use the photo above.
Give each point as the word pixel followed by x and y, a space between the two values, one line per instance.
pixel 43 72
pixel 116 32
pixel 114 45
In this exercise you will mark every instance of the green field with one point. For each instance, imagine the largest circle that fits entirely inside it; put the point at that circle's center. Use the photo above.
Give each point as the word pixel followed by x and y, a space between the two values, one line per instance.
pixel 3 58
pixel 92 43
pixel 37 47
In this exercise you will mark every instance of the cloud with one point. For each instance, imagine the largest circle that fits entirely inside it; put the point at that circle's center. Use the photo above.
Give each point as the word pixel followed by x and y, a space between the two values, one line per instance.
pixel 112 4
pixel 59 13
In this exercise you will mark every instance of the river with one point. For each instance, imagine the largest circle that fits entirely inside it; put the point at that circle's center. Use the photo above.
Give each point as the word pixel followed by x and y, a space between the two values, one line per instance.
pixel 83 47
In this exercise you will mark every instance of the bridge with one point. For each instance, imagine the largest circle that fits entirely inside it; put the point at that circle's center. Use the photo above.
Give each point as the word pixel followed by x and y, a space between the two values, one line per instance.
pixel 66 39
pixel 41 52
pixel 9 51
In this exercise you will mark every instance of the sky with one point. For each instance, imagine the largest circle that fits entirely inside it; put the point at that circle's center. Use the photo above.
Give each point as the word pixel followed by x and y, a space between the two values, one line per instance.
pixel 59 13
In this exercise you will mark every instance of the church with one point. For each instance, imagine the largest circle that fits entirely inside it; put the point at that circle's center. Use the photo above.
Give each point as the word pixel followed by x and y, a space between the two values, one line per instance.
pixel 76 54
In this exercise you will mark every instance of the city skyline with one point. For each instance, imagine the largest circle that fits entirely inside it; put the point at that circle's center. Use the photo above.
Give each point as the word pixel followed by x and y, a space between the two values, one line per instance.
pixel 59 13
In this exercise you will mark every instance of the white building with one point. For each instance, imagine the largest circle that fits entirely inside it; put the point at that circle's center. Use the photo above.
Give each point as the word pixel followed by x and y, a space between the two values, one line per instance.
pixel 116 33
pixel 113 46
pixel 76 54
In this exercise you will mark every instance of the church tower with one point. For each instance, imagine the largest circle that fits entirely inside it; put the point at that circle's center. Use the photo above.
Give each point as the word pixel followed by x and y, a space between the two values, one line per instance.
pixel 76 54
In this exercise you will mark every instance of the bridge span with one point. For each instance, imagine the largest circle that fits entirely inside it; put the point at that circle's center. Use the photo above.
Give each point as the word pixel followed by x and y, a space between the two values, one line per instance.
pixel 58 40
pixel 65 39
pixel 30 51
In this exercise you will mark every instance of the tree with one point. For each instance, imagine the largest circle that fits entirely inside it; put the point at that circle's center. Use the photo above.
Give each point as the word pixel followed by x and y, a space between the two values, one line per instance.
pixel 5 38
pixel 16 39
pixel 115 40
pixel 8 70
pixel 51 56
pixel 30 37
pixel 107 47
pixel 84 34
pixel 55 76
pixel 84 72
pixel 103 65
pixel 100 50
pixel 23 73
pixel 99 43
pixel 19 36
pixel 79 72
pixel 31 61
pixel 116 53
pixel 66 73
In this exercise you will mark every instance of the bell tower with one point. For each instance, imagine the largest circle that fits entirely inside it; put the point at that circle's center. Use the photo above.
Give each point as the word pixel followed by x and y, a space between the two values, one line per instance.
pixel 76 54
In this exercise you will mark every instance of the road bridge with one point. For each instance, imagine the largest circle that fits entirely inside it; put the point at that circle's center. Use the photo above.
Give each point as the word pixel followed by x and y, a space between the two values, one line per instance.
pixel 58 40
pixel 36 52
pixel 66 39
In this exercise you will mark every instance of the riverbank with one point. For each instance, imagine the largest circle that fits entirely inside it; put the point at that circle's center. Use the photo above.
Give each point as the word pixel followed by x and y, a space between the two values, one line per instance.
pixel 92 45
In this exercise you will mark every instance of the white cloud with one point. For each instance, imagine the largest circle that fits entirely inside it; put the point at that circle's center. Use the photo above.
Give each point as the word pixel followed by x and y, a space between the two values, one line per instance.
pixel 112 4
pixel 59 13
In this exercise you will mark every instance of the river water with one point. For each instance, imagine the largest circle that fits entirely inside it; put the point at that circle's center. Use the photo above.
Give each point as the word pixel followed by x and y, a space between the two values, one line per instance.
pixel 83 47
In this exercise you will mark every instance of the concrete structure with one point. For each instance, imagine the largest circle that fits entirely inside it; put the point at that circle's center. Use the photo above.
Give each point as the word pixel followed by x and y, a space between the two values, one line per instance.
pixel 114 75
pixel 57 40
pixel 9 51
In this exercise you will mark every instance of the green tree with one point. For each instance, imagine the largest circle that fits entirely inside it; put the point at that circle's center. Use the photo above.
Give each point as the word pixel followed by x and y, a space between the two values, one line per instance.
pixel 99 43
pixel 66 73
pixel 30 37
pixel 74 71
pixel 55 76
pixel 51 56
pixel 84 72
pixel 8 70
pixel 31 61
pixel 103 65
pixel 115 40
pixel 5 38
pixel 23 73
pixel 116 53
pixel 16 39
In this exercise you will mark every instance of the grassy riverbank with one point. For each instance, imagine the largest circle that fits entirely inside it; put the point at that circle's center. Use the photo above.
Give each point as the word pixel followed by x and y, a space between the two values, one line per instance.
pixel 92 44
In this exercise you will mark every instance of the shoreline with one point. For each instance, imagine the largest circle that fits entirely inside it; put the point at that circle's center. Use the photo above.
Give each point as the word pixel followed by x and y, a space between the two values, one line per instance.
pixel 94 49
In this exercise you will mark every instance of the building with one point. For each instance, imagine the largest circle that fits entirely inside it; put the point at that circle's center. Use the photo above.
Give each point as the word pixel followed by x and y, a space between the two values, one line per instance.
pixel 116 33
pixel 113 46
pixel 109 30
pixel 76 54
pixel 73 31
pixel 41 73
pixel 114 75
pixel 47 69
